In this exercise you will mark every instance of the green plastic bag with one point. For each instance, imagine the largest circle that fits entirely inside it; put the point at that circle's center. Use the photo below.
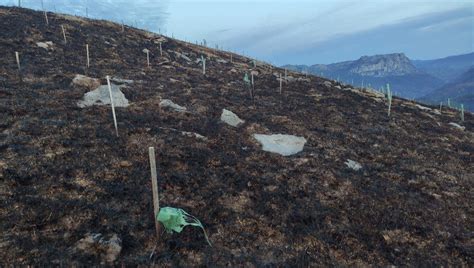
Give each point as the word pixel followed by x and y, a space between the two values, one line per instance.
pixel 175 219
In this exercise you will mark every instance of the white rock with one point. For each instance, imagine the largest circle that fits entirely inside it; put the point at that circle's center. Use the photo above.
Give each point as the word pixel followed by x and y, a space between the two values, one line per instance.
pixel 101 96
pixel 327 84
pixel 169 104
pixel 281 144
pixel 221 61
pixel 422 107
pixel 145 50
pixel 457 126
pixel 46 45
pixel 353 165
pixel 194 135
pixel 230 118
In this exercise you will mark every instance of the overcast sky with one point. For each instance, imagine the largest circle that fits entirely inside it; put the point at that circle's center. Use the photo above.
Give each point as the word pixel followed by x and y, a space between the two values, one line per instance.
pixel 297 31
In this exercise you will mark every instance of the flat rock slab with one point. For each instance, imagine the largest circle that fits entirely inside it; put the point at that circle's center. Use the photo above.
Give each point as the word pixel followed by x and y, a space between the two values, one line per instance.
pixel 46 45
pixel 100 96
pixel 285 145
pixel 457 126
pixel 230 118
pixel 169 104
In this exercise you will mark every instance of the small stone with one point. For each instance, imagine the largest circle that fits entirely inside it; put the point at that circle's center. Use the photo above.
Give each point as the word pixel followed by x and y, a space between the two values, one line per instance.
pixel 85 81
pixel 422 107
pixel 327 84
pixel 46 45
pixel 169 104
pixel 96 244
pixel 457 126
pixel 353 165
pixel 230 118
pixel 126 164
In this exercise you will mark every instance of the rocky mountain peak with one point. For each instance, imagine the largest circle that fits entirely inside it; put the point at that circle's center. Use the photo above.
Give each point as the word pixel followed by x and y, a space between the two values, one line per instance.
pixel 383 65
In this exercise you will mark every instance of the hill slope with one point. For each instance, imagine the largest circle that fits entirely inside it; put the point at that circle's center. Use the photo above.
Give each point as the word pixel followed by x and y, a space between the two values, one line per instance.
pixel 376 71
pixel 448 68
pixel 459 91
pixel 65 176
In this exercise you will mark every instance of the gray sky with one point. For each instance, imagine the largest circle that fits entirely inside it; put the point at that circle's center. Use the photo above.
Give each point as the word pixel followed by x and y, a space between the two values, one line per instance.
pixel 297 31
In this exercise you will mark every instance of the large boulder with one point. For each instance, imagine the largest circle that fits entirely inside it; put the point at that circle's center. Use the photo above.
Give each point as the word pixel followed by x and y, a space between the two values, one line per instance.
pixel 101 96
pixel 285 145
pixel 230 118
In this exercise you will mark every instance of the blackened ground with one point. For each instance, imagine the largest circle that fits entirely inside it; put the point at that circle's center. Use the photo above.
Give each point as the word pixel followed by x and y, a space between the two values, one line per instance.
pixel 62 173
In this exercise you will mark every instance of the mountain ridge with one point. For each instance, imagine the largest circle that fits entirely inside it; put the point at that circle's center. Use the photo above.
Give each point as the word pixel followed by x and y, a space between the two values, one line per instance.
pixel 376 72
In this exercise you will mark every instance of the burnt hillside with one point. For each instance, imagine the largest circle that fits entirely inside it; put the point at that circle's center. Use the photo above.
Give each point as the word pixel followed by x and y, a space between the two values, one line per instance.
pixel 65 175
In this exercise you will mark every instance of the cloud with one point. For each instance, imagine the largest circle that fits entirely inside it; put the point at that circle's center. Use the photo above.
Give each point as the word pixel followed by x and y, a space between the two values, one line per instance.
pixel 446 33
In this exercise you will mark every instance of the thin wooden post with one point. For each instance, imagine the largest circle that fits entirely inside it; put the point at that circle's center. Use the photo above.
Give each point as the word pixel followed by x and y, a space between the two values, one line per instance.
pixel 253 85
pixel 204 66
pixel 154 185
pixel 46 17
pixel 64 34
pixel 161 51
pixel 123 28
pixel 231 59
pixel 148 58
pixel 87 53
pixel 112 104
pixel 281 83
pixel 17 55
pixel 286 74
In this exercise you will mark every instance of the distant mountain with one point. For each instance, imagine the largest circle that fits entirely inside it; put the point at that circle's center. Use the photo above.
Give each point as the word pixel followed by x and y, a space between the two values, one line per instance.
pixel 448 68
pixel 459 91
pixel 377 71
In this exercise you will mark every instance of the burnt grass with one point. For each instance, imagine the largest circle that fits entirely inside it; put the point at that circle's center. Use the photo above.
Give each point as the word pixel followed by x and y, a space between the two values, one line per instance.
pixel 64 173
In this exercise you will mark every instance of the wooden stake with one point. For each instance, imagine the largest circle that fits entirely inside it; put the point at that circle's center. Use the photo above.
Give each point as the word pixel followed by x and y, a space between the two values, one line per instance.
pixel 46 17
pixel 281 83
pixel 123 28
pixel 147 58
pixel 161 51
pixel 17 55
pixel 112 104
pixel 64 34
pixel 231 59
pixel 253 87
pixel 286 74
pixel 87 53
pixel 154 185
pixel 204 66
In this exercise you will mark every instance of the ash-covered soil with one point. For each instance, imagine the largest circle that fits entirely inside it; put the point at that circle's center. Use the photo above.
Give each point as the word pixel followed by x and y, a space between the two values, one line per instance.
pixel 65 175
